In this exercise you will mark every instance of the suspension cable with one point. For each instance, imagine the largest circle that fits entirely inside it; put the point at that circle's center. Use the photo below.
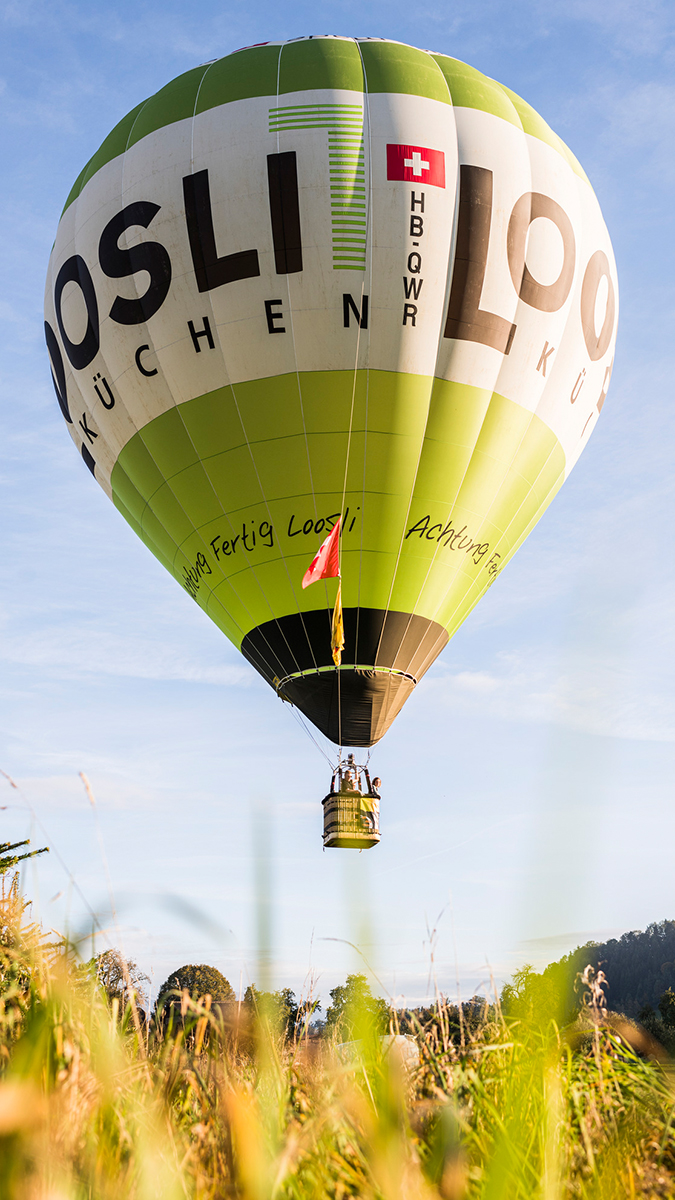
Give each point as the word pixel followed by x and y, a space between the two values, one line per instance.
pixel 299 718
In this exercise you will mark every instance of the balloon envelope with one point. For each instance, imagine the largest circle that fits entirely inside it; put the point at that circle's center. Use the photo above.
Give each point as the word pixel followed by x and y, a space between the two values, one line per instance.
pixel 333 277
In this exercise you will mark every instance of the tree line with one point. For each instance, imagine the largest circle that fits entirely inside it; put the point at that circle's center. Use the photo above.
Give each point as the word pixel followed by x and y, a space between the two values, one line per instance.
pixel 638 967
pixel 638 970
pixel 350 1001
pixel 639 981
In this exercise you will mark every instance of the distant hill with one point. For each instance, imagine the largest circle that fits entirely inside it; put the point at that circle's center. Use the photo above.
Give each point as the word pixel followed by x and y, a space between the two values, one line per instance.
pixel 639 967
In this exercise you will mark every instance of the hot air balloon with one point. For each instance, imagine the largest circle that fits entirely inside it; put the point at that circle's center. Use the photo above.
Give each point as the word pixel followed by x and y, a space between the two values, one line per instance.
pixel 332 279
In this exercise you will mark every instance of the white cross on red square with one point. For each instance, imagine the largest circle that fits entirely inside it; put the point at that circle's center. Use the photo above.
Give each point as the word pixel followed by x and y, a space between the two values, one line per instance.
pixel 416 163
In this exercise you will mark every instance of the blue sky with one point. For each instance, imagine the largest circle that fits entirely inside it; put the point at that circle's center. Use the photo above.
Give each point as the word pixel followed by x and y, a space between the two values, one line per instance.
pixel 528 784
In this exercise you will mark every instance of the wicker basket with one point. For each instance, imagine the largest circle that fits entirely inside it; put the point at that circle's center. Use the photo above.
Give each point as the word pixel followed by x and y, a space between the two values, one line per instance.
pixel 345 824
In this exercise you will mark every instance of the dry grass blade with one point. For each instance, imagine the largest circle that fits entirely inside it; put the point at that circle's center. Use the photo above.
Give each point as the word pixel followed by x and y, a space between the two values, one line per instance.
pixel 214 1107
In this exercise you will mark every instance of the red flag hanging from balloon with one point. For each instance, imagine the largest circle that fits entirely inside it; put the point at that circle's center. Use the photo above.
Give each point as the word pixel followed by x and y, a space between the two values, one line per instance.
pixel 326 564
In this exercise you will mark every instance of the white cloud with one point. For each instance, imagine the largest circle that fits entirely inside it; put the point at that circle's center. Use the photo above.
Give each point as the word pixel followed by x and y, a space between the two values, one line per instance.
pixel 476 682
pixel 64 792
pixel 87 650
pixel 642 27
pixel 589 692
pixel 640 119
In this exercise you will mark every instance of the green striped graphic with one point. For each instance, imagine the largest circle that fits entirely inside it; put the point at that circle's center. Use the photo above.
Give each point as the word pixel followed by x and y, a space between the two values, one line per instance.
pixel 346 158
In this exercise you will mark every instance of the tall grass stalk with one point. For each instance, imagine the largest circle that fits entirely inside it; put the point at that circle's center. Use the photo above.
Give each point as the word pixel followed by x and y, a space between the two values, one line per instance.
pixel 91 1108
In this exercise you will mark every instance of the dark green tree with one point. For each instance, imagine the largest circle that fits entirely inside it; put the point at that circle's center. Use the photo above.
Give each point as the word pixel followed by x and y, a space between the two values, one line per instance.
pixel 280 1008
pixel 667 1007
pixel 638 966
pixel 354 1010
pixel 287 1010
pixel 198 981
pixel 648 1018
pixel 658 1024
pixel 539 998
pixel 518 993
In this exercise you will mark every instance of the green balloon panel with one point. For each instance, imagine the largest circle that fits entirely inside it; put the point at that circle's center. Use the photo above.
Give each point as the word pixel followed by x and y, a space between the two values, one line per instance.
pixel 443 483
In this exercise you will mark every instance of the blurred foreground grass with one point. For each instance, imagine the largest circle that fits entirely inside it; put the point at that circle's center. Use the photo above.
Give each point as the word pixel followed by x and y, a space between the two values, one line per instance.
pixel 99 1104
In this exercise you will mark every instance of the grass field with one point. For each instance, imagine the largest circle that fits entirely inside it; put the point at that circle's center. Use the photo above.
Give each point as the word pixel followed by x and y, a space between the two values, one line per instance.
pixel 95 1104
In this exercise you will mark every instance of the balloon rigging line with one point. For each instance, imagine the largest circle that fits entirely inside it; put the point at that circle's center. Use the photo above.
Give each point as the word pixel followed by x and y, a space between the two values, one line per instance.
pixel 298 716
pixel 178 547
pixel 366 111
pixel 503 532
pixel 176 406
pixel 430 622
pixel 416 472
pixel 194 114
pixel 293 341
pixel 283 559
pixel 369 248
pixel 267 508
pixel 211 591
pixel 304 423
pixel 344 482
pixel 306 437
pixel 206 472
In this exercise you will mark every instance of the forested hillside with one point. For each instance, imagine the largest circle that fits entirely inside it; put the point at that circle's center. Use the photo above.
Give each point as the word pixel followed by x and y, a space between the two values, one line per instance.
pixel 639 967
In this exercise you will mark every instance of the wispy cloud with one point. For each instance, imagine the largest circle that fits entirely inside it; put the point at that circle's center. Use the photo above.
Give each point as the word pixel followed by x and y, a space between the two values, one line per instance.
pixel 638 117
pixel 87 650
pixel 589 693
pixel 638 27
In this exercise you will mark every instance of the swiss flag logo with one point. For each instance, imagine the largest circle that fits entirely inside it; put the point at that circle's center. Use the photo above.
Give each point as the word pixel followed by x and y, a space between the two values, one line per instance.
pixel 416 164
